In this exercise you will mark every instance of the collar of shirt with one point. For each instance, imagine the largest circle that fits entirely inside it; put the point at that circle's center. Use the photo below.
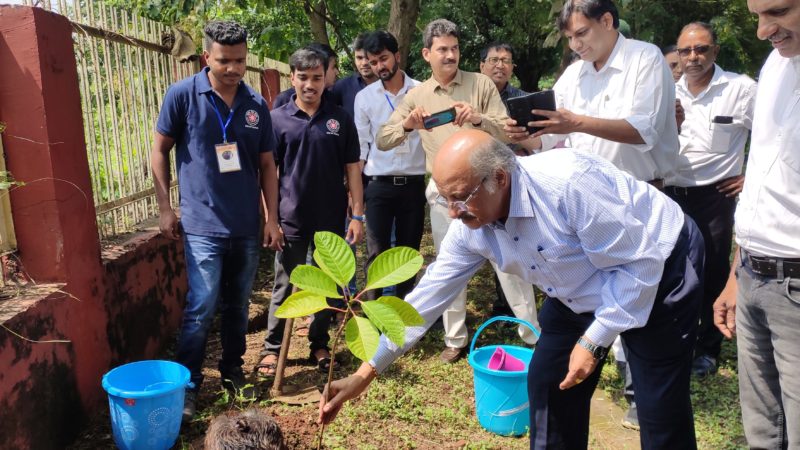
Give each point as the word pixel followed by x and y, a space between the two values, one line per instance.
pixel 457 81
pixel 616 60
pixel 718 79
pixel 408 83
pixel 796 65
pixel 293 110
pixel 204 87
pixel 520 203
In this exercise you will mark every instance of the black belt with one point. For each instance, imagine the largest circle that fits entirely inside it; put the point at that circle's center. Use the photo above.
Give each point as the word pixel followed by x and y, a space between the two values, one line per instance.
pixel 692 190
pixel 398 180
pixel 771 267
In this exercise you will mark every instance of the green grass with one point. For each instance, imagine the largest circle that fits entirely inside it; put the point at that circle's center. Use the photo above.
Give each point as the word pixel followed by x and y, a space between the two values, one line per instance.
pixel 419 403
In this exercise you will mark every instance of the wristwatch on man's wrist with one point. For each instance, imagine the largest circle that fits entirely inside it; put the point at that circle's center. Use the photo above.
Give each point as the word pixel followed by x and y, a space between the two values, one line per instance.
pixel 596 351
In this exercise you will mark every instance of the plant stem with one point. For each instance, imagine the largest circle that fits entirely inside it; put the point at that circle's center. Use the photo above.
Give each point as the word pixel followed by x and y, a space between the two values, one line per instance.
pixel 347 313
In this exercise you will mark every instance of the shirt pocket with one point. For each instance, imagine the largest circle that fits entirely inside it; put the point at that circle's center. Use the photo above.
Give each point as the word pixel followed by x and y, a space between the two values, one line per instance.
pixel 721 137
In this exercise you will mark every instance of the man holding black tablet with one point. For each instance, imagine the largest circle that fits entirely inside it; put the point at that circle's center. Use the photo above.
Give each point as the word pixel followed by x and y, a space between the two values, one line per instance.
pixel 477 105
pixel 617 101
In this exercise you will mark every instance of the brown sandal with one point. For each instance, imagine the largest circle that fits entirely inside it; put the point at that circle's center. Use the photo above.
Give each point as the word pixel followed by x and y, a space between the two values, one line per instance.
pixel 272 368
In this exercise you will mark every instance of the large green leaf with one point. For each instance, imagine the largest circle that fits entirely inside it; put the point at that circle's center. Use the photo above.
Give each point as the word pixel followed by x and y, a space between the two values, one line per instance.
pixel 313 279
pixel 387 320
pixel 393 266
pixel 361 337
pixel 407 313
pixel 299 304
pixel 334 257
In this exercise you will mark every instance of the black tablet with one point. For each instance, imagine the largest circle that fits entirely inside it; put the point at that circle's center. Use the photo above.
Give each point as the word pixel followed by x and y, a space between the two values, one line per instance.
pixel 519 108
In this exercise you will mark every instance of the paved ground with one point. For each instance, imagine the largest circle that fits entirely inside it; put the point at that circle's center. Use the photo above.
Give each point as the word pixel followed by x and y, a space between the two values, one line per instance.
pixel 605 429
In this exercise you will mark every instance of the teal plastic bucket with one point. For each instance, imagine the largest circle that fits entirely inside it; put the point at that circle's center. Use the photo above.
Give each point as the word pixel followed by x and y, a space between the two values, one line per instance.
pixel 501 398
pixel 145 399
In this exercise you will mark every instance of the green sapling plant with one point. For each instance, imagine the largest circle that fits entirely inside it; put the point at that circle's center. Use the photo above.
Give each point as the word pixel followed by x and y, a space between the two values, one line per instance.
pixel 388 315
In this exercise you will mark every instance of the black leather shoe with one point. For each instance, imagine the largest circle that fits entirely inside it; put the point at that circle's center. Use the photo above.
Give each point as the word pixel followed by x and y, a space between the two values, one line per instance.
pixel 236 383
pixel 703 366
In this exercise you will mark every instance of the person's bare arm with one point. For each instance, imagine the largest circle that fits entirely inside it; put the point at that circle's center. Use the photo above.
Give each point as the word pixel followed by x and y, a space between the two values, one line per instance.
pixel 273 235
pixel 159 161
pixel 725 306
pixel 564 121
pixel 355 230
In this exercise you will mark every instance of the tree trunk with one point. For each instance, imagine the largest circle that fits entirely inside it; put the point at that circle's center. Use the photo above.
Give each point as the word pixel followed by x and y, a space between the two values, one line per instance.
pixel 315 10
pixel 402 22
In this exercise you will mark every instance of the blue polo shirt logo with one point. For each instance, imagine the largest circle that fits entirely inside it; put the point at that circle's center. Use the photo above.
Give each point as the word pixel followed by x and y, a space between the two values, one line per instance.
pixel 333 127
pixel 251 118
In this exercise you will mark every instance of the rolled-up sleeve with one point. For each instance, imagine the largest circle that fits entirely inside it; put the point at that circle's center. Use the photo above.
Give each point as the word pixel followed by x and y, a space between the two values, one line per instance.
pixel 391 134
pixel 653 100
pixel 620 245
pixel 443 280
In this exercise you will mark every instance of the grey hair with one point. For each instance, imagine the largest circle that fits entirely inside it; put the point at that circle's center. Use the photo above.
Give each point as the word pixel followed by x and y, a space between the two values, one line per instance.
pixel 438 28
pixel 490 157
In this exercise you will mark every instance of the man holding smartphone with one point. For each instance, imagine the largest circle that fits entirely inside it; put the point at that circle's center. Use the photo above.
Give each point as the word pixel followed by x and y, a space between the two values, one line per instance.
pixel 477 104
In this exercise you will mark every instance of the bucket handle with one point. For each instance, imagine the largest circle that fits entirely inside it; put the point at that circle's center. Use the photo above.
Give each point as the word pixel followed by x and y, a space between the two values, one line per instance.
pixel 504 319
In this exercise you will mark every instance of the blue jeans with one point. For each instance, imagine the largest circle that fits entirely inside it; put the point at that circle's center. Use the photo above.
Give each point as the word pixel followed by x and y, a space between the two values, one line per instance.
pixel 221 272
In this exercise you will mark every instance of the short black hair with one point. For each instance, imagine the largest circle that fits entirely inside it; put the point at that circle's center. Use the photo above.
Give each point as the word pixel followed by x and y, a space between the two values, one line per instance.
pixel 325 50
pixel 358 44
pixel 592 9
pixel 225 32
pixel 378 41
pixel 307 58
pixel 496 46
pixel 669 49
pixel 705 26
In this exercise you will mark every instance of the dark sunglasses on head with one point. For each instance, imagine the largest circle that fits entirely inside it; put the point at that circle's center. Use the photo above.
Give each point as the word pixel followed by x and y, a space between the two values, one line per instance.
pixel 699 50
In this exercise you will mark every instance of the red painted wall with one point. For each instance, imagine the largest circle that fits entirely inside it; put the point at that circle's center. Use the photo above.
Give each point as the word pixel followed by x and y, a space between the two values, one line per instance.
pixel 112 311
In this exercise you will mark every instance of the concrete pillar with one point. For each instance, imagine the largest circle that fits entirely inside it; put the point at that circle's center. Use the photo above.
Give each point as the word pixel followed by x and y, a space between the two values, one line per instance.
pixel 54 215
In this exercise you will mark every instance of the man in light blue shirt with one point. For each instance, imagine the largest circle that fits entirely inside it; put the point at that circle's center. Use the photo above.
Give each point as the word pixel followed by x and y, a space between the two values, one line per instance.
pixel 614 255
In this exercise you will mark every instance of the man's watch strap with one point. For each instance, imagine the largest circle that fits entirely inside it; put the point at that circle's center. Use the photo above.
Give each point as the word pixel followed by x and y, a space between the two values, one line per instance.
pixel 596 351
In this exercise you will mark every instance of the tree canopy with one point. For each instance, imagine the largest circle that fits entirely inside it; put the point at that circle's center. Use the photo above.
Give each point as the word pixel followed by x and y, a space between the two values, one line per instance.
pixel 278 27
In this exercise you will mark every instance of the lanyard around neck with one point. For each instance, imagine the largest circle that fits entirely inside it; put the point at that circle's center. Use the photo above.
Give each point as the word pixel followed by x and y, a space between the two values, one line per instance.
pixel 389 101
pixel 219 116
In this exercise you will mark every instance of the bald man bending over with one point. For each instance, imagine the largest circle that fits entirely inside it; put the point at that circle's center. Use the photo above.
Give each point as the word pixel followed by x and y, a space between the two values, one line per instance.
pixel 613 254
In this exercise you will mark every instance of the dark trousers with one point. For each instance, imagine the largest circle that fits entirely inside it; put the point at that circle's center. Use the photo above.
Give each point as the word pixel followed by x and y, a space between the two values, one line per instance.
pixel 295 252
pixel 713 214
pixel 402 205
pixel 660 357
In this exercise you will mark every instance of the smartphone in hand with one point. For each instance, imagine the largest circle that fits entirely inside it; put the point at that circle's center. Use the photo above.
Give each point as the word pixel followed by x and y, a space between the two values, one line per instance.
pixel 440 118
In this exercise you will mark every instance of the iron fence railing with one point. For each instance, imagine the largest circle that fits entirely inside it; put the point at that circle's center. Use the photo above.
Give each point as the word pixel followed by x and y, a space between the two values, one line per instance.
pixel 124 70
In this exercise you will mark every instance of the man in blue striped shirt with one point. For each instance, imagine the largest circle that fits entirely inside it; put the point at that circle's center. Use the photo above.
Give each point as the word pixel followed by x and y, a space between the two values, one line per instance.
pixel 614 255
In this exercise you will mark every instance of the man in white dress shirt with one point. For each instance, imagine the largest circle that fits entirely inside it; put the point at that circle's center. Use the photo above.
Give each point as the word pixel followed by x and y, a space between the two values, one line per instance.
pixel 761 302
pixel 718 107
pixel 396 190
pixel 613 254
pixel 618 101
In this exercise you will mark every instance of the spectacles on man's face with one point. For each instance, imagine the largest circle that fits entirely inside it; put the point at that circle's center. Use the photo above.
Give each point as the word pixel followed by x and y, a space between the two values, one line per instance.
pixel 698 50
pixel 495 61
pixel 459 205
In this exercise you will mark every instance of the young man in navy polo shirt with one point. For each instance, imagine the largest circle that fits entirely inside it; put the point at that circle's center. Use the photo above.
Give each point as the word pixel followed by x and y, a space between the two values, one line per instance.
pixel 317 147
pixel 223 134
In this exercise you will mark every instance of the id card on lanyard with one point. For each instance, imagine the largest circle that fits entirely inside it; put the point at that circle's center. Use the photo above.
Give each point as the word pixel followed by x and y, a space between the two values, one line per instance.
pixel 227 152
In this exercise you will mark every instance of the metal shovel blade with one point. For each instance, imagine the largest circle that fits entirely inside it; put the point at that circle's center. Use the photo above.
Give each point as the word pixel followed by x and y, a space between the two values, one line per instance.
pixel 293 395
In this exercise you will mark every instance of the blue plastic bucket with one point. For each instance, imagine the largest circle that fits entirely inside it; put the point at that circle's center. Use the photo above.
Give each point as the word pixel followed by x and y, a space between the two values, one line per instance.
pixel 501 398
pixel 146 403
